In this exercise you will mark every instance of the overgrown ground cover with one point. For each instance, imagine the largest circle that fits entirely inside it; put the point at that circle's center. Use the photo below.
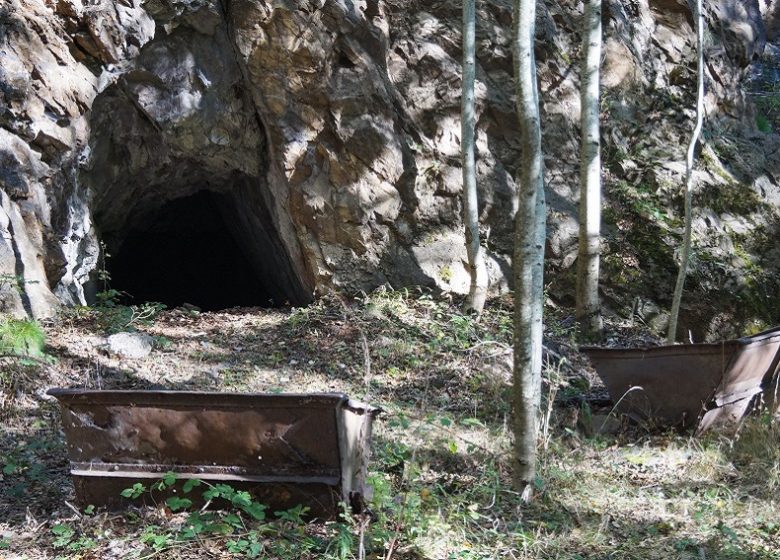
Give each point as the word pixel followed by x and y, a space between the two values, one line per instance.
pixel 440 449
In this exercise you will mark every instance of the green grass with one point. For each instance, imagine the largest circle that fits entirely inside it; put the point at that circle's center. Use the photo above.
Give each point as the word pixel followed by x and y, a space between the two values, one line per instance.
pixel 21 337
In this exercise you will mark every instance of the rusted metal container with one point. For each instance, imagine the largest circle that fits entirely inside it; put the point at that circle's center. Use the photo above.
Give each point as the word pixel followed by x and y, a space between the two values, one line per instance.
pixel 700 385
pixel 286 449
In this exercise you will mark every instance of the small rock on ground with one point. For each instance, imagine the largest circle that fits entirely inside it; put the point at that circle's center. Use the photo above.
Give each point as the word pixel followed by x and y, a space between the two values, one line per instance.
pixel 130 345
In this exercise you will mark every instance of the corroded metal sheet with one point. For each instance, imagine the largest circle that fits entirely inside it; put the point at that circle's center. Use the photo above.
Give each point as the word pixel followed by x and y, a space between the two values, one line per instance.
pixel 700 385
pixel 668 384
pixel 287 449
pixel 751 372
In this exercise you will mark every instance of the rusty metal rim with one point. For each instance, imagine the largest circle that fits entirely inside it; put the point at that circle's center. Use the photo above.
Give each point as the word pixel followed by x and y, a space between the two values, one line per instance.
pixel 669 351
pixel 672 349
pixel 768 339
pixel 758 338
pixel 197 398
pixel 160 469
pixel 774 331
pixel 273 479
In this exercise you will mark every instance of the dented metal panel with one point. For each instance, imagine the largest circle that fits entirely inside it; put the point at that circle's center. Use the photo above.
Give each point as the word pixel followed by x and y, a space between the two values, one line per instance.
pixel 287 449
pixel 751 372
pixel 700 385
pixel 669 384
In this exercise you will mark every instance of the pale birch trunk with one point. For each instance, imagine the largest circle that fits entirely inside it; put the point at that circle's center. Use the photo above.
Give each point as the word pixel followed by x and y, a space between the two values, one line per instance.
pixel 588 307
pixel 476 254
pixel 689 161
pixel 528 256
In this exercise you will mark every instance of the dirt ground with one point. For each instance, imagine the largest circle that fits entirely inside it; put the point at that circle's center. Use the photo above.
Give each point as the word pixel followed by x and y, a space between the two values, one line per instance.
pixel 440 451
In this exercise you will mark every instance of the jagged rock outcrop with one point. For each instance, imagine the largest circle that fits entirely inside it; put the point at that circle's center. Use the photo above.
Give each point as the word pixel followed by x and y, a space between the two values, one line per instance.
pixel 329 131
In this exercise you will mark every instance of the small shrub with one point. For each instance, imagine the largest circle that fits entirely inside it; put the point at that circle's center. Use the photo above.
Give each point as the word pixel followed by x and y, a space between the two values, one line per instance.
pixel 113 317
pixel 762 123
pixel 235 520
pixel 66 537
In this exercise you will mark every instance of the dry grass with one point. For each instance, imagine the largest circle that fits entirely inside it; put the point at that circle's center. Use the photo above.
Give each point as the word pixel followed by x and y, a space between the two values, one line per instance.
pixel 439 469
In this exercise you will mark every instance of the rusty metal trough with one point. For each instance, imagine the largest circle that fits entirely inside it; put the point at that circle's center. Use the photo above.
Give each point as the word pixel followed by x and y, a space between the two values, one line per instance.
pixel 286 449
pixel 702 385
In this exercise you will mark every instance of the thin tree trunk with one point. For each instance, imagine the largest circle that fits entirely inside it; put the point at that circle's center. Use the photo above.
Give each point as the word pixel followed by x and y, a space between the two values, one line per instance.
pixel 588 307
pixel 528 256
pixel 698 17
pixel 476 254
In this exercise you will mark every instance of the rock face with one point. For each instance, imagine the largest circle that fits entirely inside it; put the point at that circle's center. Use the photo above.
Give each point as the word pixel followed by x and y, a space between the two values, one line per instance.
pixel 328 133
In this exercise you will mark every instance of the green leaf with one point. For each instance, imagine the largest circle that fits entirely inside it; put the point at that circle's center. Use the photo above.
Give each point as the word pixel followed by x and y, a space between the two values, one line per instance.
pixel 134 491
pixel 190 484
pixel 176 503
pixel 196 524
pixel 220 528
pixel 225 491
pixel 257 511
pixel 471 422
pixel 233 520
pixel 83 543
pixel 160 541
pixel 64 534
pixel 62 530
pixel 242 499
pixel 169 478
pixel 445 421
pixel 294 514
pixel 237 547
pixel 453 447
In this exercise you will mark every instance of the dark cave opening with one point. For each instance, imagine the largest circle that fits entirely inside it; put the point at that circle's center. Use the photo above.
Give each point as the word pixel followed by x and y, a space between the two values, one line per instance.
pixel 193 250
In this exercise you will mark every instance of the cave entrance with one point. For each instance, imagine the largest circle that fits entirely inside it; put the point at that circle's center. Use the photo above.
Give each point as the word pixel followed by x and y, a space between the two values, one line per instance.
pixel 198 250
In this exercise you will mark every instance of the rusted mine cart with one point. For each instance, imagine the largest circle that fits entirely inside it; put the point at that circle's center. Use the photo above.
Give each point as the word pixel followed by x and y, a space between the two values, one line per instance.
pixel 286 449
pixel 701 385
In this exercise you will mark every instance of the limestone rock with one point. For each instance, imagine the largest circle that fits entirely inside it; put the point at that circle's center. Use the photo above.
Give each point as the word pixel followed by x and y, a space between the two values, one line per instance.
pixel 133 345
pixel 330 130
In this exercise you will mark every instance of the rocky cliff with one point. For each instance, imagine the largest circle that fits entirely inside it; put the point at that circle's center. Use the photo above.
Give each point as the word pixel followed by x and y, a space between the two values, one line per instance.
pixel 327 134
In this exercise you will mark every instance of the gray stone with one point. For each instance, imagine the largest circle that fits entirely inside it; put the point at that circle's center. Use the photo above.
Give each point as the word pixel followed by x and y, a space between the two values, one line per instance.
pixel 133 345
pixel 332 128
